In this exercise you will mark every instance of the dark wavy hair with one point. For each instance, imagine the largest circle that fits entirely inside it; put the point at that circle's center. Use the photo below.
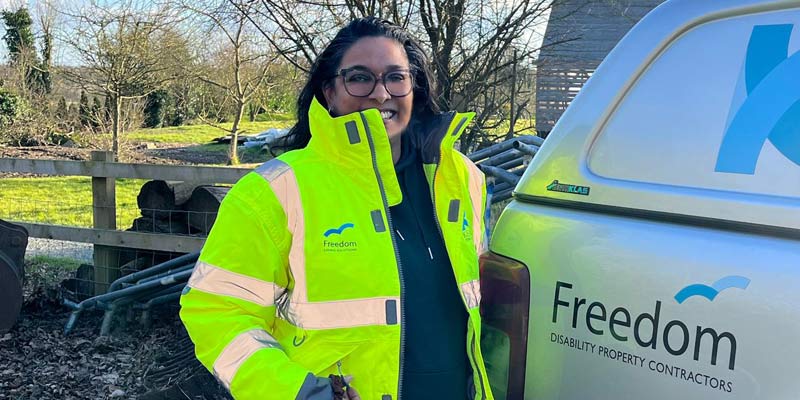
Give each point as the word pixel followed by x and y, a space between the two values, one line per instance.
pixel 327 64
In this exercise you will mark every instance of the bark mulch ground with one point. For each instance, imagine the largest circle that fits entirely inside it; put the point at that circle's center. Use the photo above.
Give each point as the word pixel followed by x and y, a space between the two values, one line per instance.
pixel 37 361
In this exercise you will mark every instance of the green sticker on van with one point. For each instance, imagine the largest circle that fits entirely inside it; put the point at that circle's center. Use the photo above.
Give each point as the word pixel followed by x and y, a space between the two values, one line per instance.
pixel 555 186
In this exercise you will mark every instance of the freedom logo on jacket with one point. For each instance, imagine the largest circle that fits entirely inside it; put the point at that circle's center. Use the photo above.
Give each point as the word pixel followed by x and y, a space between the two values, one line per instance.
pixel 331 245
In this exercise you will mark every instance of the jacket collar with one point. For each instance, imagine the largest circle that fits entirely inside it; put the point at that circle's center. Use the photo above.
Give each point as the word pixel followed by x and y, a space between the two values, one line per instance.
pixel 359 141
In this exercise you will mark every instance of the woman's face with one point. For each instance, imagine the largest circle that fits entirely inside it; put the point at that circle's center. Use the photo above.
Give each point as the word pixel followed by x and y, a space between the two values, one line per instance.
pixel 382 57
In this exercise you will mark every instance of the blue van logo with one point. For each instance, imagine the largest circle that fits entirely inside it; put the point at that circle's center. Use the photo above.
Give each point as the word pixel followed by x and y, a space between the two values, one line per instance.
pixel 771 110
pixel 711 292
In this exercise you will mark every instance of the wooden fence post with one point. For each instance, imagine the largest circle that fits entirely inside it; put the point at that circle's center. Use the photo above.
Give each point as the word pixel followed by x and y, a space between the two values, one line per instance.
pixel 104 209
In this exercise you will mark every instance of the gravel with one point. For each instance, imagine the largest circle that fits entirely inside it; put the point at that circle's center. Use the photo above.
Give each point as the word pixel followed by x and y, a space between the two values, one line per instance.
pixel 81 252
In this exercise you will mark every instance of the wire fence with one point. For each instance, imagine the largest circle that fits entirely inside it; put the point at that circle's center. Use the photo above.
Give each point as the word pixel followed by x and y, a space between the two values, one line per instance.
pixel 92 213
pixel 53 208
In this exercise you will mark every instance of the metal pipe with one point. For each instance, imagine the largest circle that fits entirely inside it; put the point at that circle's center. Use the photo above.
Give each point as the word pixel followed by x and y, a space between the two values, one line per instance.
pixel 147 307
pixel 182 260
pixel 526 148
pixel 105 326
pixel 504 195
pixel 499 187
pixel 503 157
pixel 503 146
pixel 116 305
pixel 508 166
pixel 127 292
pixel 69 303
pixel 502 186
pixel 73 318
pixel 500 174
pixel 167 273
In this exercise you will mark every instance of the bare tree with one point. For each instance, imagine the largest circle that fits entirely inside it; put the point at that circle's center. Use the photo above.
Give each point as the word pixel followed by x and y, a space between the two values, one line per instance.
pixel 241 62
pixel 47 16
pixel 122 50
pixel 478 48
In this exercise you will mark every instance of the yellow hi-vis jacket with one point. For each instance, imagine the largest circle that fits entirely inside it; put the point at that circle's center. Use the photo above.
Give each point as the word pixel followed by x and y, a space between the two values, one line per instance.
pixel 300 277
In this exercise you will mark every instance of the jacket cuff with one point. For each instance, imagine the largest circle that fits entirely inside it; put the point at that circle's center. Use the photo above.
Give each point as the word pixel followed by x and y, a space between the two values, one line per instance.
pixel 315 388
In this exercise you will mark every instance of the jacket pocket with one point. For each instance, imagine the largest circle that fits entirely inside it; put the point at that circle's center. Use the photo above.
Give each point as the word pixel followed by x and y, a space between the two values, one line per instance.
pixel 320 357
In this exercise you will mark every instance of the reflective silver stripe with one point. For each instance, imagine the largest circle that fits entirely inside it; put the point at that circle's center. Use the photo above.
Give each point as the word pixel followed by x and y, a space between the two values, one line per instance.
pixel 287 191
pixel 238 351
pixel 283 182
pixel 472 293
pixel 476 179
pixel 345 313
pixel 272 169
pixel 212 279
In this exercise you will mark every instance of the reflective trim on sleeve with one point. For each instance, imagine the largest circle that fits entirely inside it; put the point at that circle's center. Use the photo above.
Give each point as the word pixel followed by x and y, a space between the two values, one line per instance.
pixel 346 313
pixel 215 280
pixel 283 183
pixel 272 169
pixel 472 293
pixel 238 351
pixel 476 179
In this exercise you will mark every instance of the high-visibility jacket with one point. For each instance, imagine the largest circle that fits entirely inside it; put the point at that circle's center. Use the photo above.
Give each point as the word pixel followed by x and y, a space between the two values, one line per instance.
pixel 300 276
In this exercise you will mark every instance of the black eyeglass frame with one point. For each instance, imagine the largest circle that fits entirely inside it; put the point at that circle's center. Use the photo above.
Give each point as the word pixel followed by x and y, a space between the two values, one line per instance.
pixel 382 78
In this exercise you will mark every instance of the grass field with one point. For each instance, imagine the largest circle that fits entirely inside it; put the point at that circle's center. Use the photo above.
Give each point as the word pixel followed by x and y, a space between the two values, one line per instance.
pixel 68 200
pixel 63 200
pixel 202 133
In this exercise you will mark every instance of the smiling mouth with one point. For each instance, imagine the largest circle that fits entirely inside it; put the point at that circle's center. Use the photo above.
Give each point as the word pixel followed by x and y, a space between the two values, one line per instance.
pixel 388 114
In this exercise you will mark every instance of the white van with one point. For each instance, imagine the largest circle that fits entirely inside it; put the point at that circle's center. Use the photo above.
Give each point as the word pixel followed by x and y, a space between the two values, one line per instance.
pixel 652 250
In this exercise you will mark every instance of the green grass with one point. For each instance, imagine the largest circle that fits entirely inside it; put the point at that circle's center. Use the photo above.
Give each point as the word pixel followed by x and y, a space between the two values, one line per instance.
pixel 521 127
pixel 63 200
pixel 270 117
pixel 203 133
pixel 62 263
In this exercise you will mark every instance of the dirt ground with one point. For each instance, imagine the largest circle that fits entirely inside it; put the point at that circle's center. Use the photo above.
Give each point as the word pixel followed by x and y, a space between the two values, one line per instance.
pixel 140 154
pixel 37 361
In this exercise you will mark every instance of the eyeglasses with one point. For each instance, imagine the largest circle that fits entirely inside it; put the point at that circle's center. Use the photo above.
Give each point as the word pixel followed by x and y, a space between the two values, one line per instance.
pixel 359 82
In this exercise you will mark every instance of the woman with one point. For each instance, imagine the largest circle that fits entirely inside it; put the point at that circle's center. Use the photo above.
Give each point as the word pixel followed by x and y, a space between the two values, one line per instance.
pixel 357 255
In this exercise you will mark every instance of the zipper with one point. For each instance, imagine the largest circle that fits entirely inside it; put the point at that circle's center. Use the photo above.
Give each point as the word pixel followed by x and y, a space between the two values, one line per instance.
pixel 477 367
pixel 396 252
pixel 341 375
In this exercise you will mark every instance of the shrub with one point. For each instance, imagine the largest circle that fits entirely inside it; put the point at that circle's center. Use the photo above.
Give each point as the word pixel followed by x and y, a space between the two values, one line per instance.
pixel 11 107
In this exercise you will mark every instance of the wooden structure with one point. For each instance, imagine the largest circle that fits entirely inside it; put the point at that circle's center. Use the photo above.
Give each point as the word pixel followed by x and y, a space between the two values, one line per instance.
pixel 580 33
pixel 104 234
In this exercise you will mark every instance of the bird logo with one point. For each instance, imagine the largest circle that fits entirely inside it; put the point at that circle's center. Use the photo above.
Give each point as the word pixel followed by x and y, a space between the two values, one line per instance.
pixel 712 291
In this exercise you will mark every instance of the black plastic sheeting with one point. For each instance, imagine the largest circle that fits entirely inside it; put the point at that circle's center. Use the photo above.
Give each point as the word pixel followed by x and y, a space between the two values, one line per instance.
pixel 13 242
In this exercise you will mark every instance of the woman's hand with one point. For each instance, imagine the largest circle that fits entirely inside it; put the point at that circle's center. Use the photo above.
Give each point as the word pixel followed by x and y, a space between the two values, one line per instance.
pixel 342 389
pixel 352 394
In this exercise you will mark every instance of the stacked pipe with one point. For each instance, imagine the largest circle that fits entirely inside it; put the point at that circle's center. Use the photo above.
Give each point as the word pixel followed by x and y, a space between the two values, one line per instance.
pixel 504 162
pixel 142 291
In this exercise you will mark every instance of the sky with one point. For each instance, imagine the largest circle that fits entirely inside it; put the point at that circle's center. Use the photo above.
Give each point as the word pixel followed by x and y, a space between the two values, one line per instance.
pixel 61 55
